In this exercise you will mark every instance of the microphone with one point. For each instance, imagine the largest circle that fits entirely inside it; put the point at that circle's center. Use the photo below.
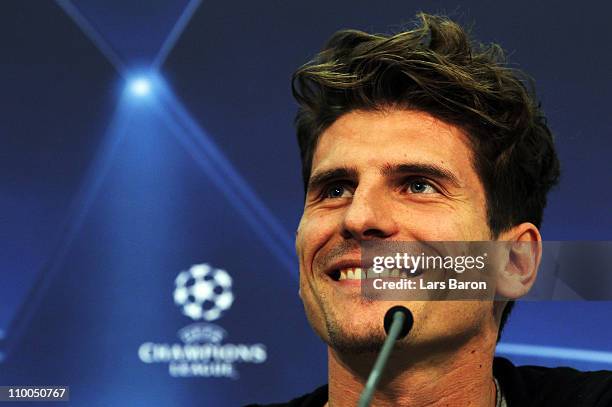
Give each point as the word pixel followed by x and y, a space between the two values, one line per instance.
pixel 398 323
pixel 406 325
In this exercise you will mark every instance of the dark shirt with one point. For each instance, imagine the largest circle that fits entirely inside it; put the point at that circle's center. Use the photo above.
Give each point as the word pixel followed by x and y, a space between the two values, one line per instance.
pixel 523 386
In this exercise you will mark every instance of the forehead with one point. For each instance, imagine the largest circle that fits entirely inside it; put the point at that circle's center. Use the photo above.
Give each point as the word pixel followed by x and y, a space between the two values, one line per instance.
pixel 372 139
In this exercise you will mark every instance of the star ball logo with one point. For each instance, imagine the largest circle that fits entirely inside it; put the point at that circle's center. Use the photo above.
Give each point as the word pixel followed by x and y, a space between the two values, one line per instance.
pixel 203 293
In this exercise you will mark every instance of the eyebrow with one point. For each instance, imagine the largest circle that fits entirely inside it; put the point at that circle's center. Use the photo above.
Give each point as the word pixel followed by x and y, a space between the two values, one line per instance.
pixel 427 170
pixel 318 180
pixel 324 177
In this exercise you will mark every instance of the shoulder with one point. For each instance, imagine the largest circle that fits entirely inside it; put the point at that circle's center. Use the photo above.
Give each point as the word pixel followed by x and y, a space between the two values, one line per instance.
pixel 316 398
pixel 560 386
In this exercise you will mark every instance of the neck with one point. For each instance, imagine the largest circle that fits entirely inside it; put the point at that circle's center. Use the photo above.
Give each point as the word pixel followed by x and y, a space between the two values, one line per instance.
pixel 461 377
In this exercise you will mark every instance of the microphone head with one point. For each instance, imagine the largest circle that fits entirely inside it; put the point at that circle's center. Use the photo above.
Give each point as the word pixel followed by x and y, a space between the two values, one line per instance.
pixel 408 320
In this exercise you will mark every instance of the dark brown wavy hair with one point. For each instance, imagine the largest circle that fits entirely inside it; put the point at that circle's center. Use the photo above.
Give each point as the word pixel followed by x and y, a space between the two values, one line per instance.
pixel 438 69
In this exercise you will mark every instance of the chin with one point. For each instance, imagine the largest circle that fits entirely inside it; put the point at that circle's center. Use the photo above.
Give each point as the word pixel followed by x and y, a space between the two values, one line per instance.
pixel 352 334
pixel 344 340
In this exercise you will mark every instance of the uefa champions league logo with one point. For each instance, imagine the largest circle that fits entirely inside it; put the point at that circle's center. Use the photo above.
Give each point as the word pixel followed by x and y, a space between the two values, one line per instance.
pixel 203 292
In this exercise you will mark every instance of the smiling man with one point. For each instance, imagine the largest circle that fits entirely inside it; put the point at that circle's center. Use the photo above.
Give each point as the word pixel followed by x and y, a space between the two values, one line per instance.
pixel 423 136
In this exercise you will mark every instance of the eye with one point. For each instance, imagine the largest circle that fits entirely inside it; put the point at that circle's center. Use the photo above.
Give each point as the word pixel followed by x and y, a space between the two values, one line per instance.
pixel 420 186
pixel 337 191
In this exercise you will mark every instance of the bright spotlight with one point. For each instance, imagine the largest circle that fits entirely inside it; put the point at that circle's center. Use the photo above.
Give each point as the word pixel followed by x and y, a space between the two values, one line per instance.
pixel 140 86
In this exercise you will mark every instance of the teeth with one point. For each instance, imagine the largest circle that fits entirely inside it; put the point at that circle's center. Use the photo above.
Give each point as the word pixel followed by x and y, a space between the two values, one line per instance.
pixel 386 273
pixel 352 274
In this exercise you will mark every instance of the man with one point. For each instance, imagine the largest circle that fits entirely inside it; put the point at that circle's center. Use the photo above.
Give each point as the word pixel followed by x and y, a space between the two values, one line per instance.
pixel 423 136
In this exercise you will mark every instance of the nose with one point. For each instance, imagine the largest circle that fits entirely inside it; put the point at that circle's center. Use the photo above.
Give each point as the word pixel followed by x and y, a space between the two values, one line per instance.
pixel 369 216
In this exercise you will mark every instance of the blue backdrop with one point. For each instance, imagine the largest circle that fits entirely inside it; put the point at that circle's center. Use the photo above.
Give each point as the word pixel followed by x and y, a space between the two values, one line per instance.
pixel 142 138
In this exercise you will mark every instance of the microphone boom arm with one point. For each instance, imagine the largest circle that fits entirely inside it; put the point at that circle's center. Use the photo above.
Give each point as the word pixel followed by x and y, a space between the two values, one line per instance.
pixel 396 328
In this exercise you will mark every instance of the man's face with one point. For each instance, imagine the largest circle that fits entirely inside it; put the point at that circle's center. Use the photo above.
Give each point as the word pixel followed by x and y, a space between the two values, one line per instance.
pixel 396 175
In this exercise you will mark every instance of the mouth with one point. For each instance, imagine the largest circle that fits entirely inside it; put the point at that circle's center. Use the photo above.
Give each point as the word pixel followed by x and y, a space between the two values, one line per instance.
pixel 358 273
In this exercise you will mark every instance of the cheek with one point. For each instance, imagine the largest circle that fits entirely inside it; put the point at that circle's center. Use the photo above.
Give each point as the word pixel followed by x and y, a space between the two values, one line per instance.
pixel 446 224
pixel 313 232
pixel 428 224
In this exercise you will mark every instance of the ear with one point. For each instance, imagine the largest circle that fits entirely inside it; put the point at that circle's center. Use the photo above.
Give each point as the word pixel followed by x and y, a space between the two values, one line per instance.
pixel 519 270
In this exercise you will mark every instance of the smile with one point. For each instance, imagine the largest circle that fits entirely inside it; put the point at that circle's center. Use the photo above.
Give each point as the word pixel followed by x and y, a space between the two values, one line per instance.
pixel 357 273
